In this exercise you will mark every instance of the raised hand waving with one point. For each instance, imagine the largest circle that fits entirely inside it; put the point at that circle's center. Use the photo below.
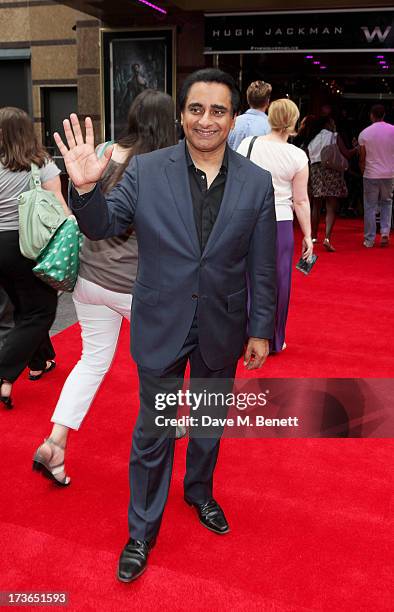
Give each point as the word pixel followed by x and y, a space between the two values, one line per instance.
pixel 83 166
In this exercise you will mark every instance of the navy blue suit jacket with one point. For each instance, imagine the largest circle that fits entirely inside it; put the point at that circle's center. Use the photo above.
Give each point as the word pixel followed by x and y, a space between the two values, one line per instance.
pixel 174 277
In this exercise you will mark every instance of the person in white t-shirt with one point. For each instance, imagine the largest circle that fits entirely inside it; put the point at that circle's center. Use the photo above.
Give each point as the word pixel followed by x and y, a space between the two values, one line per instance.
pixel 288 166
pixel 377 165
pixel 327 185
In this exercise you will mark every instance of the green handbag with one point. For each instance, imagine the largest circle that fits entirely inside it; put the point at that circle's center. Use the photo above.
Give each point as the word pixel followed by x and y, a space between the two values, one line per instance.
pixel 58 263
pixel 40 215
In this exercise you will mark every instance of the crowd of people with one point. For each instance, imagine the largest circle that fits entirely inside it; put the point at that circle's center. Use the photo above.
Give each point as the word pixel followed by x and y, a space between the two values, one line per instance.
pixel 195 241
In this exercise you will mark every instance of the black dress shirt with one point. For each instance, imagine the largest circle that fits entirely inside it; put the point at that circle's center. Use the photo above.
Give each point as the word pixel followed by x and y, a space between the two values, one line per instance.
pixel 206 202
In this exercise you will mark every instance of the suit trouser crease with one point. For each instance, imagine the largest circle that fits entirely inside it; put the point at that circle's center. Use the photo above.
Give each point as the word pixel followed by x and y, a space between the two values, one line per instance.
pixel 100 314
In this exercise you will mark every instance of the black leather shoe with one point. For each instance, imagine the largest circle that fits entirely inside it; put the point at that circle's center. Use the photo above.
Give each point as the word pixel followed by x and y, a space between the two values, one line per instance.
pixel 134 559
pixel 211 516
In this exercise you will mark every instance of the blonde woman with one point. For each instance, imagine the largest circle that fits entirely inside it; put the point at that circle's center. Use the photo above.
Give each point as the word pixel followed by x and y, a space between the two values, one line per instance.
pixel 288 166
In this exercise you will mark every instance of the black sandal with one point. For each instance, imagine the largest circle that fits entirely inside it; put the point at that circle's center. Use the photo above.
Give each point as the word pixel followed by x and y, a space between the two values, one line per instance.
pixel 5 399
pixel 52 366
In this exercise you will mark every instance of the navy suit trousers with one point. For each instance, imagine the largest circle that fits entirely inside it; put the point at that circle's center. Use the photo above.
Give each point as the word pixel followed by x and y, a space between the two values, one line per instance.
pixel 152 450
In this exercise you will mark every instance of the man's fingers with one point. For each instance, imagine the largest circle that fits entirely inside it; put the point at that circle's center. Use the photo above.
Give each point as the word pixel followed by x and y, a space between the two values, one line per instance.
pixel 104 161
pixel 60 144
pixel 76 129
pixel 247 356
pixel 69 134
pixel 90 132
pixel 256 363
pixel 108 152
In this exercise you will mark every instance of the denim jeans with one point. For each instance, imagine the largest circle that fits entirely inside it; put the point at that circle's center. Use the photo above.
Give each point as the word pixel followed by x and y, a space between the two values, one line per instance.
pixel 377 193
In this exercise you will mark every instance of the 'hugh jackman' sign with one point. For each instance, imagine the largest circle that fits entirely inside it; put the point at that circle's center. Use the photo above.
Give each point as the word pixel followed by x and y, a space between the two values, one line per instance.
pixel 256 33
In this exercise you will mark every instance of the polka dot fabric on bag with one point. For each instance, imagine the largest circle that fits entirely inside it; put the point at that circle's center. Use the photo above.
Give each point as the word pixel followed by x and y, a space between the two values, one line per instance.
pixel 58 263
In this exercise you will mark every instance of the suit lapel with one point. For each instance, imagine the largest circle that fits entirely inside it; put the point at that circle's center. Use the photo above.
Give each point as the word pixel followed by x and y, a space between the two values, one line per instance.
pixel 178 178
pixel 232 192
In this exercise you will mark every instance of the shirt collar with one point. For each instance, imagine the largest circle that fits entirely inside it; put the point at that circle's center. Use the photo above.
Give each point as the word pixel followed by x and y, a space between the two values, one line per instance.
pixel 190 162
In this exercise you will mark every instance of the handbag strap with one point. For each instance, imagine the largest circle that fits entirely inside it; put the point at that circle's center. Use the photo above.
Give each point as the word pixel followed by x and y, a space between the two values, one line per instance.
pixel 103 147
pixel 35 179
pixel 251 146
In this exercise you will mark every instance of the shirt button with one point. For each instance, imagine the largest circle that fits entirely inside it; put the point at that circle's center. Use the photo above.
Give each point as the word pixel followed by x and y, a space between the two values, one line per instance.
pixel 194 296
pixel 202 177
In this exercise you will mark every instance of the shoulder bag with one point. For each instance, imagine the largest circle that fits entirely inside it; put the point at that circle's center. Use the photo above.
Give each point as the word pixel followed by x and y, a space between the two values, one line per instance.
pixel 40 215
pixel 332 158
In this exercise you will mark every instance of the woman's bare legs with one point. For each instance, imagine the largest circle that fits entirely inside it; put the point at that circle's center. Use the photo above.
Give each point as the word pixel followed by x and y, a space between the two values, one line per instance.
pixel 315 216
pixel 331 213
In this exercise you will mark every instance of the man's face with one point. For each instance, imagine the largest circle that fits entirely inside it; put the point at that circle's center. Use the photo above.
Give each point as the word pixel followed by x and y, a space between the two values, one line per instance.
pixel 207 117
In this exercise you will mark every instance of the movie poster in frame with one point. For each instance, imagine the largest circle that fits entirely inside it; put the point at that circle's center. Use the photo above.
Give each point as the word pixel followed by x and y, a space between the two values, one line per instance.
pixel 134 60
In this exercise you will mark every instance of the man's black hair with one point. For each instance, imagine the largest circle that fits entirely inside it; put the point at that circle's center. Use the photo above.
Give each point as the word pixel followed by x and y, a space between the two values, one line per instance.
pixel 378 111
pixel 210 75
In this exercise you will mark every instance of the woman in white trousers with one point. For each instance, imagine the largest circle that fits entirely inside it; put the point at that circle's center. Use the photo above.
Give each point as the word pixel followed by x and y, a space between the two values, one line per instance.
pixel 102 295
pixel 100 314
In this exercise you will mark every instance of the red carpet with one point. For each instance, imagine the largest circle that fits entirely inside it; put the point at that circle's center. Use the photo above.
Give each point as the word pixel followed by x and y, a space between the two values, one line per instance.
pixel 310 518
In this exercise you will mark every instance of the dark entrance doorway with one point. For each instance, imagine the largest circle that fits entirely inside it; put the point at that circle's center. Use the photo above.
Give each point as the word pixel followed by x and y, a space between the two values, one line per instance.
pixel 58 103
pixel 15 83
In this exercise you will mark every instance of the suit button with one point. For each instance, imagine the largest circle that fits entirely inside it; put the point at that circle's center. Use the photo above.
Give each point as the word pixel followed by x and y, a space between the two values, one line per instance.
pixel 194 296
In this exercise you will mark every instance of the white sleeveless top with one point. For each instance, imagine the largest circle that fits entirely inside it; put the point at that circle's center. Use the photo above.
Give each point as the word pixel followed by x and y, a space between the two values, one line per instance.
pixel 283 161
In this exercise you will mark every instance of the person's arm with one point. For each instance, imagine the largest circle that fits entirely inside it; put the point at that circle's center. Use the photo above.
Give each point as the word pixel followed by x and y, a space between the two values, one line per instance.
pixel 98 216
pixel 102 216
pixel 55 186
pixel 348 153
pixel 302 209
pixel 262 281
pixel 362 157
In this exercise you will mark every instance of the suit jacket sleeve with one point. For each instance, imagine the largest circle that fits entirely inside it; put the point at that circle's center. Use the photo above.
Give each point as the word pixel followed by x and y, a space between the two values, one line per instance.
pixel 102 216
pixel 262 270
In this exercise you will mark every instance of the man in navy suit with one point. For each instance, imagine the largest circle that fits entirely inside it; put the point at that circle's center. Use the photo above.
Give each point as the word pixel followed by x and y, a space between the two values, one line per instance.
pixel 205 222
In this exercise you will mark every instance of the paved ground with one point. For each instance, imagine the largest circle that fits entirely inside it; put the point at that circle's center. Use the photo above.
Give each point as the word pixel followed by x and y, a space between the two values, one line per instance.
pixel 65 315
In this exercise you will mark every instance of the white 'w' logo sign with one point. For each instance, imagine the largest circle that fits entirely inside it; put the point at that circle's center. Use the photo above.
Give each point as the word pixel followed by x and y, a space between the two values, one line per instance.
pixel 376 32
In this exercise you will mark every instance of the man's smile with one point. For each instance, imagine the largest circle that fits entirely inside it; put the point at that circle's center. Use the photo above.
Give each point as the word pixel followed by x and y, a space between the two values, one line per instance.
pixel 205 133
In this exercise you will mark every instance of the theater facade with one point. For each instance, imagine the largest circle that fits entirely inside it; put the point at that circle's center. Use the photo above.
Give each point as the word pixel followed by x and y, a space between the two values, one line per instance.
pixel 95 55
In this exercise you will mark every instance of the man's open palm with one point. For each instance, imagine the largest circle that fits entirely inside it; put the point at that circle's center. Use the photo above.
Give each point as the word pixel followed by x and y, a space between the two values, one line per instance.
pixel 83 166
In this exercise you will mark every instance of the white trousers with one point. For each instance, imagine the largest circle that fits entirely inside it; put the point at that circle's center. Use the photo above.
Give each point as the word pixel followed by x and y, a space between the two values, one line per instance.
pixel 100 313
